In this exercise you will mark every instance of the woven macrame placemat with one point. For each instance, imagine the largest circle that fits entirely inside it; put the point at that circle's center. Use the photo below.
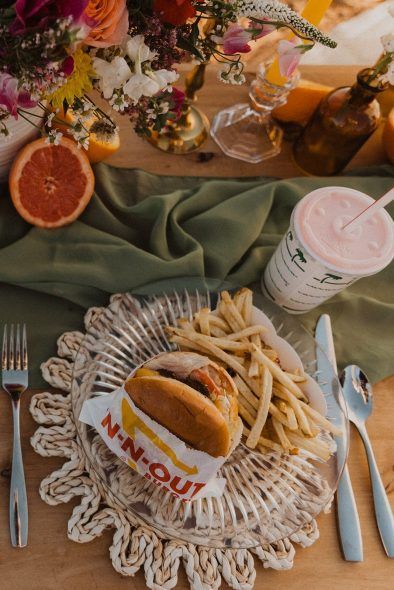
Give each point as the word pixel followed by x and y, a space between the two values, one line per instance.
pixel 134 544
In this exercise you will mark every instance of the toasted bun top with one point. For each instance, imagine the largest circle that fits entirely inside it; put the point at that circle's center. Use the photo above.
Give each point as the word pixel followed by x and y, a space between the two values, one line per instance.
pixel 188 364
pixel 185 412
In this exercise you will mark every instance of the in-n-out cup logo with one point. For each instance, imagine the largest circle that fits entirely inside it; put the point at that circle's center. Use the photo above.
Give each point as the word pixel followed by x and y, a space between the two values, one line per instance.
pixel 152 450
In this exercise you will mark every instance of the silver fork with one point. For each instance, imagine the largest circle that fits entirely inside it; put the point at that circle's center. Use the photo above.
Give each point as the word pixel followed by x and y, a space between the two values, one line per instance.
pixel 15 382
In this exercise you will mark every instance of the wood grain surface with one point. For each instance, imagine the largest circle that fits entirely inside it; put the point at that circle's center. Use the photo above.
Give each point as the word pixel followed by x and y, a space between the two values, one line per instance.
pixel 52 562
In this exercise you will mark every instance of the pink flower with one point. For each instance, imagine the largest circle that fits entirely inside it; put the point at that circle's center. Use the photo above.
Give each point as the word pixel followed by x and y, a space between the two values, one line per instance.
pixel 177 99
pixel 235 40
pixel 68 66
pixel 11 97
pixel 289 57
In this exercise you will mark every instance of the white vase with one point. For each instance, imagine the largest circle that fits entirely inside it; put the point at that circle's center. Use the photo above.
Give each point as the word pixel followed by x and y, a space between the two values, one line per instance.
pixel 21 133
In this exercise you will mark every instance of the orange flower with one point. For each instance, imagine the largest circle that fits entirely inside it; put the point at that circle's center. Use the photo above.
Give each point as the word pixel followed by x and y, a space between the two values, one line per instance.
pixel 111 22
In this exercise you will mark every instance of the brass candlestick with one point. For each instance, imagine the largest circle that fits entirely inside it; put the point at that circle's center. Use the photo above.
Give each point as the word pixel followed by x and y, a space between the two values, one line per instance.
pixel 191 129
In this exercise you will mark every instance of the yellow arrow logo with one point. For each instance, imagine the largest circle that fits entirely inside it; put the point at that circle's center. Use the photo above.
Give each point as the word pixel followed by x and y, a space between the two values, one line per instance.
pixel 131 422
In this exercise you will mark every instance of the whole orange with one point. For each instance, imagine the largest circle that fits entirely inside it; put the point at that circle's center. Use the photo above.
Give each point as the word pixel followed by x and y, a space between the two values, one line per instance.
pixel 388 136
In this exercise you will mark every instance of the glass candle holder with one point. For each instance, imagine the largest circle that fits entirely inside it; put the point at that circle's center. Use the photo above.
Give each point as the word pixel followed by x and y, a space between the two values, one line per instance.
pixel 247 131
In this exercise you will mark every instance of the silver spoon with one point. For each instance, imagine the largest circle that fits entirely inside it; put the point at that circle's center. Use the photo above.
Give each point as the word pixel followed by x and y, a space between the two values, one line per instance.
pixel 358 395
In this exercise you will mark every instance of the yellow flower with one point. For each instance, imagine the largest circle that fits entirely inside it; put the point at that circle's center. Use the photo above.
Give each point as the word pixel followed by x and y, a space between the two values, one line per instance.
pixel 79 82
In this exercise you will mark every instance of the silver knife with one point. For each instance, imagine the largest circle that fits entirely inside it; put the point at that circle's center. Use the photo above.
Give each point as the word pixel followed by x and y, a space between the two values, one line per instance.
pixel 347 515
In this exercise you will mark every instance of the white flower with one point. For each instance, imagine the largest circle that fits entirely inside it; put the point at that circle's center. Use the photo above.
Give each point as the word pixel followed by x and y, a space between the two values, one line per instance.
pixel 148 84
pixel 391 9
pixel 49 119
pixel 82 31
pixel 118 102
pixel 78 132
pixel 58 137
pixel 112 75
pixel 389 75
pixel 54 137
pixel 137 50
pixel 238 79
pixel 118 81
pixel 164 108
pixel 388 42
pixel 233 76
pixel 223 76
pixel 151 113
pixel 140 85
pixel 164 77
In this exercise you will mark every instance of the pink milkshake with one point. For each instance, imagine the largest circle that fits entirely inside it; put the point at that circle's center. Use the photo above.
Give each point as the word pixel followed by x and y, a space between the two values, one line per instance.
pixel 317 258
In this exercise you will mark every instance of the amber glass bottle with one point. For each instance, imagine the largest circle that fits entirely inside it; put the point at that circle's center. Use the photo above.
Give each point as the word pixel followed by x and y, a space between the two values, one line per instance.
pixel 339 127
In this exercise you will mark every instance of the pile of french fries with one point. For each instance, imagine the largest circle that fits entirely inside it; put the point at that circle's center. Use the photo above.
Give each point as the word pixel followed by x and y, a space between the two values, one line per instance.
pixel 275 411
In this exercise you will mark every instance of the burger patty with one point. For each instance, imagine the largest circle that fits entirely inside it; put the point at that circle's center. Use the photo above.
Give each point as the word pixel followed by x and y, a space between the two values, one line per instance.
pixel 197 385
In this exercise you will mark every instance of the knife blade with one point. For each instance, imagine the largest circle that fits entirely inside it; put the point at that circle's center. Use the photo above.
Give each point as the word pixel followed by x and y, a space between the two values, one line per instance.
pixel 347 515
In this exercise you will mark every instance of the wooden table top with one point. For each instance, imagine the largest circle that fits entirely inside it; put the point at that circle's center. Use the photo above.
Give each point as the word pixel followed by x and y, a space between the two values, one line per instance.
pixel 52 562
pixel 214 96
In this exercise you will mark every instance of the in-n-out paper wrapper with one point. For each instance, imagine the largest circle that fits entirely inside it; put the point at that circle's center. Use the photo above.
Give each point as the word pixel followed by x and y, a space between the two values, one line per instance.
pixel 151 449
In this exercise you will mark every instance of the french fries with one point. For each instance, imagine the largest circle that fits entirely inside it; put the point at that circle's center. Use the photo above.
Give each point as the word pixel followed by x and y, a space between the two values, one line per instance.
pixel 203 320
pixel 262 410
pixel 274 409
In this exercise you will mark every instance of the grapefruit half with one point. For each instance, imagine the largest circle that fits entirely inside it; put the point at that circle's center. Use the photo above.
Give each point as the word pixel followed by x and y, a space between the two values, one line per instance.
pixel 51 185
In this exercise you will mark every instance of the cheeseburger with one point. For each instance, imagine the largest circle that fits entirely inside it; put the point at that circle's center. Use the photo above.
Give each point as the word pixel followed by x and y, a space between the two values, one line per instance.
pixel 191 396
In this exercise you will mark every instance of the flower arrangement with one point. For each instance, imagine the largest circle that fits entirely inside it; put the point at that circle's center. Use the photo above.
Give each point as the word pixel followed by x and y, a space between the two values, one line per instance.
pixel 53 53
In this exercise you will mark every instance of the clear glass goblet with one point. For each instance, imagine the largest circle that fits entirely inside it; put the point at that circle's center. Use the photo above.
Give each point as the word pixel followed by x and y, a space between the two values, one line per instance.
pixel 247 131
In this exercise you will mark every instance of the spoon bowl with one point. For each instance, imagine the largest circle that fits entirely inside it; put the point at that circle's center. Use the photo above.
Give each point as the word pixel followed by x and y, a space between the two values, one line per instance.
pixel 358 394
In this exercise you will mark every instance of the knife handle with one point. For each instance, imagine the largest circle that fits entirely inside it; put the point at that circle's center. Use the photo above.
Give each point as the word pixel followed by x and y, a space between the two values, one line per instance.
pixel 348 521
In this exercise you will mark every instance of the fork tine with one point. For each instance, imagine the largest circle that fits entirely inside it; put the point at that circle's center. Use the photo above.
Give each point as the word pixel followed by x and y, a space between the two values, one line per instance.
pixel 24 349
pixel 18 348
pixel 4 352
pixel 11 350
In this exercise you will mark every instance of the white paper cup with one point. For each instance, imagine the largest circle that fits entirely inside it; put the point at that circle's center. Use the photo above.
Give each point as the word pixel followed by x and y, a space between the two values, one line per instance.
pixel 300 276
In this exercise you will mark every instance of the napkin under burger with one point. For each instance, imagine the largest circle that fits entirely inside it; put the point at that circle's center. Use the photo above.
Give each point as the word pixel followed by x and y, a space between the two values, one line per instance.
pixel 191 396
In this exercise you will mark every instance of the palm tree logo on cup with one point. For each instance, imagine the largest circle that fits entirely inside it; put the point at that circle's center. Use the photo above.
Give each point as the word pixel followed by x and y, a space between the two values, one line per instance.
pixel 328 279
pixel 299 255
pixel 330 276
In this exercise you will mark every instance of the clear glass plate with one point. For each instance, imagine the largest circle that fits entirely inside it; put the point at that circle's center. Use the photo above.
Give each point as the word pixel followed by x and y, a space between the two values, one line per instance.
pixel 267 497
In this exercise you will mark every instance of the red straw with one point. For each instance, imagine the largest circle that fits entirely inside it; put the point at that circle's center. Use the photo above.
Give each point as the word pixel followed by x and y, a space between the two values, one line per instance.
pixel 370 210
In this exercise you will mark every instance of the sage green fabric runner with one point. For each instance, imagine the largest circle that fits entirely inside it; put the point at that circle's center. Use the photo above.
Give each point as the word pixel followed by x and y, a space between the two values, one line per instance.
pixel 141 229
